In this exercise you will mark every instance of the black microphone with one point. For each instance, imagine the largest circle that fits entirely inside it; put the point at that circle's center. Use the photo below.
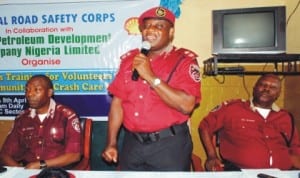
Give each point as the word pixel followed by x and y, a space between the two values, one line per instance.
pixel 144 50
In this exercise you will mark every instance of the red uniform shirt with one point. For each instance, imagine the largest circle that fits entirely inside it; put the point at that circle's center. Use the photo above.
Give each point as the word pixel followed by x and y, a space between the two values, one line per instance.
pixel 30 140
pixel 250 141
pixel 143 110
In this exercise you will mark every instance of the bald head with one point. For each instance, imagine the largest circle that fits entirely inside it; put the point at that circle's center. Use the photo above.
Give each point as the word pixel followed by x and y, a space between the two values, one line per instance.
pixel 266 90
pixel 48 83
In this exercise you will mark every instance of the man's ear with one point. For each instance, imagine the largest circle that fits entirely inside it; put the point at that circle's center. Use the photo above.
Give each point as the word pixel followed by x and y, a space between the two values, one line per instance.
pixel 141 28
pixel 171 33
pixel 50 92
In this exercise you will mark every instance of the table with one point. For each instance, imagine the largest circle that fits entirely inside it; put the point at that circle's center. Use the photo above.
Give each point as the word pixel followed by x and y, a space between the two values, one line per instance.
pixel 16 172
pixel 283 64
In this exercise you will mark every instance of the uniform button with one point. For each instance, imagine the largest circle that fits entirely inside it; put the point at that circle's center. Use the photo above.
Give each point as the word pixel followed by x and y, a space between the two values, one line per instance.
pixel 38 157
pixel 141 96
pixel 40 142
pixel 267 136
pixel 136 114
pixel 41 126
pixel 144 81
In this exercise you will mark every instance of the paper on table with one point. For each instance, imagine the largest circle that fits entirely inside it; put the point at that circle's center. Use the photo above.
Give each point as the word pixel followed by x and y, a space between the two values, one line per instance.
pixel 252 173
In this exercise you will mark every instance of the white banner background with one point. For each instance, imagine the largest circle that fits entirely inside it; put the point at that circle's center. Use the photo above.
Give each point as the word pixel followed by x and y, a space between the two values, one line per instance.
pixel 77 44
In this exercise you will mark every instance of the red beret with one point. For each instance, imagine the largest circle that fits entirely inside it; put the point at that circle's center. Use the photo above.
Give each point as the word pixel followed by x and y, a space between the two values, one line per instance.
pixel 157 12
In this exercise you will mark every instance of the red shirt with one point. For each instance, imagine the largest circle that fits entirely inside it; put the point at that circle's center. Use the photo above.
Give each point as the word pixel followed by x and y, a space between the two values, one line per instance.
pixel 250 141
pixel 30 140
pixel 143 109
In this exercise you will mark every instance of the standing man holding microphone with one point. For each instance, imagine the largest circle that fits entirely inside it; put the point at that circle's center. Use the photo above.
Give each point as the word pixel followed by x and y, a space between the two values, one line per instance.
pixel 154 92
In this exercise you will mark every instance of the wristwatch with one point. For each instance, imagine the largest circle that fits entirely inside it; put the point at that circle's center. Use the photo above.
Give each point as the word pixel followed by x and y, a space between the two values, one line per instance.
pixel 43 164
pixel 156 82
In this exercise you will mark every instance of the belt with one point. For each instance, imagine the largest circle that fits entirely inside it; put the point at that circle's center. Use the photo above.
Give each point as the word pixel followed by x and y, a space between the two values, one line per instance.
pixel 164 133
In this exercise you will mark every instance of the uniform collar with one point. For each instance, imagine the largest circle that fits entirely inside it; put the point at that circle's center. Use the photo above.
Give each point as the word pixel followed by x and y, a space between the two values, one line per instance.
pixel 274 106
pixel 50 112
pixel 168 49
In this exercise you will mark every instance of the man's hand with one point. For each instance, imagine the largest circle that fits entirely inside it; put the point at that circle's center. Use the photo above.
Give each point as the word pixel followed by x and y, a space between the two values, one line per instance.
pixel 33 165
pixel 143 65
pixel 214 164
pixel 110 154
pixel 295 160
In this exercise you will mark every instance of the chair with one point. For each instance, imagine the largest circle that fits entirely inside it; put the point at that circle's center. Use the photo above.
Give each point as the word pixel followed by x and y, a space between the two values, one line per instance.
pixel 87 126
pixel 196 163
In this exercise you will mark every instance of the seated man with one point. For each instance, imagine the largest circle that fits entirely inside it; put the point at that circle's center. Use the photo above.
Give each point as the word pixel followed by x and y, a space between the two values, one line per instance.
pixel 252 134
pixel 47 134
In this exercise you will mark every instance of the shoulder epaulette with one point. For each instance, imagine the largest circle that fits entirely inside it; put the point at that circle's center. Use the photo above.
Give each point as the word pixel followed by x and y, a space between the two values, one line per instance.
pixel 187 53
pixel 67 112
pixel 22 113
pixel 232 101
pixel 227 103
pixel 130 53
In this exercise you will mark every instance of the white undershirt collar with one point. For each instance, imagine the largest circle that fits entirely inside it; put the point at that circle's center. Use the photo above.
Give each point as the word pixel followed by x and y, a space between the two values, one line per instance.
pixel 263 112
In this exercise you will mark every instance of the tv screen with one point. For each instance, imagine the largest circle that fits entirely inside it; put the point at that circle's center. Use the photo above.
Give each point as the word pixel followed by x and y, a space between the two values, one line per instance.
pixel 249 30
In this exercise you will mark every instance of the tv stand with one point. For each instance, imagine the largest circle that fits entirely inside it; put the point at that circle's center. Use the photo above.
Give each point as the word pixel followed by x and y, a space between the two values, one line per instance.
pixel 283 64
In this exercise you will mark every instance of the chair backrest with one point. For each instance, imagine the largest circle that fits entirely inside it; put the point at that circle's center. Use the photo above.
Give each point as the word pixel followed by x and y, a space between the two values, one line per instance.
pixel 87 126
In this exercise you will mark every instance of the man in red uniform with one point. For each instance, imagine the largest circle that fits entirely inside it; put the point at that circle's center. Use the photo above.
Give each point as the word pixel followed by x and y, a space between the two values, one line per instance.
pixel 47 134
pixel 154 109
pixel 252 134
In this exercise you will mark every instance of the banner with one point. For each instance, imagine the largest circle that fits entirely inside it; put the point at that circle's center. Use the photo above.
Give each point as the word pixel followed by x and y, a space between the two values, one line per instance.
pixel 77 44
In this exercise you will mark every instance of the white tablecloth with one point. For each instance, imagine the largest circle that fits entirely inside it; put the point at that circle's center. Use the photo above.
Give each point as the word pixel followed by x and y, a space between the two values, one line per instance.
pixel 14 172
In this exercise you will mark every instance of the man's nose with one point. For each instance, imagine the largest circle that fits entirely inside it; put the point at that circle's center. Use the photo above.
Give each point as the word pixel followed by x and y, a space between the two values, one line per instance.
pixel 266 88
pixel 28 93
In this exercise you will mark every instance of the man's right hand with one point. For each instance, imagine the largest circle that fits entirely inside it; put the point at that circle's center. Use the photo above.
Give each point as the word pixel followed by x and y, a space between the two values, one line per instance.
pixel 214 164
pixel 110 154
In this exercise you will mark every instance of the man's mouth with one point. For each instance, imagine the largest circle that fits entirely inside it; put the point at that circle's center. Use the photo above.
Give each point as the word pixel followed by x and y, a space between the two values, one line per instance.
pixel 150 38
pixel 265 95
pixel 32 102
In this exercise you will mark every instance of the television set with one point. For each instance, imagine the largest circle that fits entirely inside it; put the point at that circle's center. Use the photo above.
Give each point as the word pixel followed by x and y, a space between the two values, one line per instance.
pixel 259 30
